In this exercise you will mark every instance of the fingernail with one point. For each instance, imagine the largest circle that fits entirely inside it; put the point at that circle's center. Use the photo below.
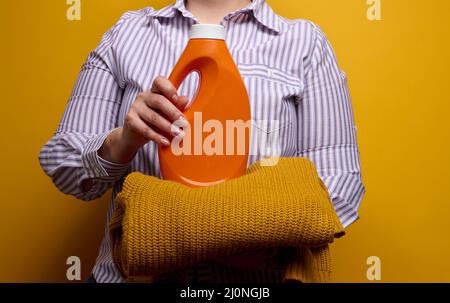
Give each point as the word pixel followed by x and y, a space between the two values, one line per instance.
pixel 176 131
pixel 182 122
pixel 174 97
pixel 164 141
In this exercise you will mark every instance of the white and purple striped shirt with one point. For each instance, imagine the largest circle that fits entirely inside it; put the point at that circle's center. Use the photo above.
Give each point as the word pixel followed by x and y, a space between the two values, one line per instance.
pixel 291 75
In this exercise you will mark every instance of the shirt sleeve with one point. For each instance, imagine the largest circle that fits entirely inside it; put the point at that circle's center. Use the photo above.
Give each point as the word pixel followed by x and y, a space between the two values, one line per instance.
pixel 327 133
pixel 70 156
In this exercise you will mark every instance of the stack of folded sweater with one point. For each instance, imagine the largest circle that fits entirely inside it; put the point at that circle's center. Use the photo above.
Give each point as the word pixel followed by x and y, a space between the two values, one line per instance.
pixel 161 226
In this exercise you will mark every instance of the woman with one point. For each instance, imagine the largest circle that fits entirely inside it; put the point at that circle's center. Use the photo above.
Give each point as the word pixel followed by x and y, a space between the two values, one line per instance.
pixel 110 126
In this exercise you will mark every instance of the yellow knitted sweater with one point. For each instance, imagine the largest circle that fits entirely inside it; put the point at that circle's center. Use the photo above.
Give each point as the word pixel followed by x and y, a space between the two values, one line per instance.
pixel 161 226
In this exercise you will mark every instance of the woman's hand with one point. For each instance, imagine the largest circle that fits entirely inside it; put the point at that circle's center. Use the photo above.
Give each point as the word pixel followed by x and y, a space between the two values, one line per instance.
pixel 150 118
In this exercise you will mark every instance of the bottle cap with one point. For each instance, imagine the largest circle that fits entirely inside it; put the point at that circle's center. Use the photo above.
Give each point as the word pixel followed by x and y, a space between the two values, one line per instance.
pixel 207 31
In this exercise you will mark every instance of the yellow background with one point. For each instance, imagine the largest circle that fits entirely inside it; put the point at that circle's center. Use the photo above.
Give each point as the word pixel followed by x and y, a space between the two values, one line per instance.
pixel 398 70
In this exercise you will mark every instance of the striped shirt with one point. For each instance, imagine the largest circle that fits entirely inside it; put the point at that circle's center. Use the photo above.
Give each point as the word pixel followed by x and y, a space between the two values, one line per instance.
pixel 291 75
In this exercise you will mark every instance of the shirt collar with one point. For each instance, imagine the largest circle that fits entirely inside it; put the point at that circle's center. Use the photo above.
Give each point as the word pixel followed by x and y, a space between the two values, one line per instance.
pixel 260 9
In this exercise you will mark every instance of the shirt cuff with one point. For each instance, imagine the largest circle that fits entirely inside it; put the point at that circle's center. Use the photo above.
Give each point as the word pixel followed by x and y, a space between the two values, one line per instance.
pixel 98 168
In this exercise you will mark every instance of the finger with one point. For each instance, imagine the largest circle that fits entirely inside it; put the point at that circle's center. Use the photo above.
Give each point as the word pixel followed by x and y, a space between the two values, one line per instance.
pixel 138 126
pixel 163 86
pixel 181 102
pixel 155 120
pixel 165 107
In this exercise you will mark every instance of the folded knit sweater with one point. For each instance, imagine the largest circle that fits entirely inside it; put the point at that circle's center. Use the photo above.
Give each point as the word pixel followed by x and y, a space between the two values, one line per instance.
pixel 160 226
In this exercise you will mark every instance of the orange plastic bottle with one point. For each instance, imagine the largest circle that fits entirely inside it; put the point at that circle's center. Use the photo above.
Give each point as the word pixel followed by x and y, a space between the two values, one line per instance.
pixel 215 147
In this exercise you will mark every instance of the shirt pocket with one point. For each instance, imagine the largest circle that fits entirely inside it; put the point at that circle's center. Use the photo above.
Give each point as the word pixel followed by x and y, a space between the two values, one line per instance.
pixel 273 95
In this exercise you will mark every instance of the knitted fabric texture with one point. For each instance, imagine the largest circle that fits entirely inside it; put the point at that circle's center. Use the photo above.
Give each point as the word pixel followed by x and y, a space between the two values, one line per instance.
pixel 160 226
